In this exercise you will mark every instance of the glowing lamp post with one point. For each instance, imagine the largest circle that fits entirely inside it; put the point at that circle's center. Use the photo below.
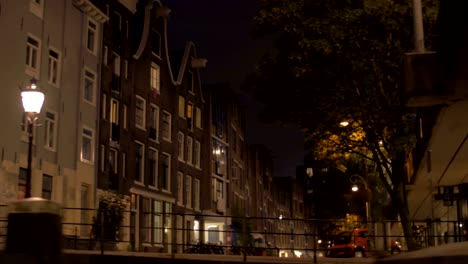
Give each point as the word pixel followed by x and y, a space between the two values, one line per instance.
pixel 32 99
pixel 354 179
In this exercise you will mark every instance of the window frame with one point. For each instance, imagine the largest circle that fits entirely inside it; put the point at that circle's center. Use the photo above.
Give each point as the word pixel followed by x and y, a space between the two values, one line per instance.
pixel 37 8
pixel 33 70
pixel 47 122
pixel 197 154
pixel 169 137
pixel 188 191
pixel 114 111
pixel 189 147
pixel 94 85
pixel 155 158
pixel 154 121
pixel 180 188
pixel 181 142
pixel 58 61
pixel 95 31
pixel 92 140
pixel 141 179
pixel 181 107
pixel 196 194
pixel 141 126
pixel 155 81
pixel 116 64
pixel 163 188
pixel 51 190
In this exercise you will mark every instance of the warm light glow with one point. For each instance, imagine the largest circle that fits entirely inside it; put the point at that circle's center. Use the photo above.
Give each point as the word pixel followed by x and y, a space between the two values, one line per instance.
pixel 281 217
pixel 380 142
pixel 32 101
pixel 297 253
pixel 319 241
pixel 344 123
pixel 354 188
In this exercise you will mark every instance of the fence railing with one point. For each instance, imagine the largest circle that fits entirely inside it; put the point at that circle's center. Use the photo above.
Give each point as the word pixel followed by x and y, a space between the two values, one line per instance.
pixel 93 229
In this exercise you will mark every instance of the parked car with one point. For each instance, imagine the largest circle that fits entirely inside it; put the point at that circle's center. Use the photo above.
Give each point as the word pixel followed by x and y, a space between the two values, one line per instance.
pixel 350 243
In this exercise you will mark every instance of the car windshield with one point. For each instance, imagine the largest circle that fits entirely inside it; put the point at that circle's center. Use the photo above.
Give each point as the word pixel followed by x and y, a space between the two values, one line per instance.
pixel 343 238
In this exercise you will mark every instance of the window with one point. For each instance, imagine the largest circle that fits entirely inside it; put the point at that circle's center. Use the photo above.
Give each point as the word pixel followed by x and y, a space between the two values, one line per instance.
pixel 188 191
pixel 156 43
pixel 180 188
pixel 22 183
pixel 124 165
pixel 116 63
pixel 114 112
pixel 33 56
pixel 125 69
pixel 124 117
pixel 37 7
pixel 104 106
pixel 198 118
pixel 190 115
pixel 191 82
pixel 158 226
pixel 189 155
pixel 145 228
pixel 105 55
pixel 155 79
pixel 166 126
pixel 87 145
pixel 140 115
pixel 92 36
pixel 50 133
pixel 196 194
pixel 181 106
pixel 154 122
pixel 103 158
pixel 116 20
pixel 89 86
pixel 165 171
pixel 139 161
pixel 47 187
pixel 180 146
pixel 113 160
pixel 153 167
pixel 196 154
pixel 53 72
pixel 84 203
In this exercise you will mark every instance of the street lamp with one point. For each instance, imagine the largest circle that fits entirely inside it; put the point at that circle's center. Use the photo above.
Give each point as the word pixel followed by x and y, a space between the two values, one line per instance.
pixel 32 99
pixel 354 179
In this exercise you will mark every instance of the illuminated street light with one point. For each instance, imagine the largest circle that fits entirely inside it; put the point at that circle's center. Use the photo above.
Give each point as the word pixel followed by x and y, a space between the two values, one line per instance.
pixel 354 180
pixel 344 123
pixel 32 99
pixel 355 188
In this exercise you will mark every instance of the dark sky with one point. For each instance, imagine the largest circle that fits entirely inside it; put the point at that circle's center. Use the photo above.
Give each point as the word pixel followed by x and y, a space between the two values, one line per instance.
pixel 221 29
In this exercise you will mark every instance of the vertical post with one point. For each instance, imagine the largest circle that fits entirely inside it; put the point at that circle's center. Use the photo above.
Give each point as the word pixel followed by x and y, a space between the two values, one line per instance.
pixel 315 240
pixel 28 169
pixel 418 26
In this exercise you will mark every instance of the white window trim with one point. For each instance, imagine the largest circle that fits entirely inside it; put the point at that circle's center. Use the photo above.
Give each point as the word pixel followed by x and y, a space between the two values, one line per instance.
pixel 196 202
pixel 181 152
pixel 142 169
pixel 158 87
pixel 153 106
pixel 54 139
pixel 180 188
pixel 169 139
pixel 59 67
pixel 85 69
pixel 116 159
pixel 188 204
pixel 114 117
pixel 189 157
pixel 163 188
pixel 198 118
pixel 93 138
pixel 34 72
pixel 37 9
pixel 96 36
pixel 142 126
pixel 181 107
pixel 155 186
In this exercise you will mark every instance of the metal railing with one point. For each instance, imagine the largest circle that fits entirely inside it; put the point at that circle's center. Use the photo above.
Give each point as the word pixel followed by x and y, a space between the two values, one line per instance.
pixel 92 229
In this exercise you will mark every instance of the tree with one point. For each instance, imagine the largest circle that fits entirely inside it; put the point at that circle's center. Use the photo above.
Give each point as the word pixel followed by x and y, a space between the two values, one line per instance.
pixel 341 60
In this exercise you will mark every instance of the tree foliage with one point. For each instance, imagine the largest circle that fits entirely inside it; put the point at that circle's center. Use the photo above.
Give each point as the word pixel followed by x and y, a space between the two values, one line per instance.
pixel 341 60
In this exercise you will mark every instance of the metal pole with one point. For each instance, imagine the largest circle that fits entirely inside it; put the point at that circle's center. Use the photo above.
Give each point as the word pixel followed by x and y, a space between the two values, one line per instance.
pixel 28 170
pixel 418 27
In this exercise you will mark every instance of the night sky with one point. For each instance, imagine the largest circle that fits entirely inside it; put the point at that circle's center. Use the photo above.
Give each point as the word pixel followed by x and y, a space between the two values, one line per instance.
pixel 221 30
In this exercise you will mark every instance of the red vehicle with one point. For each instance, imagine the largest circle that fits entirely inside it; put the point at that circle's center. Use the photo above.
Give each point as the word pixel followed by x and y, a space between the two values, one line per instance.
pixel 351 243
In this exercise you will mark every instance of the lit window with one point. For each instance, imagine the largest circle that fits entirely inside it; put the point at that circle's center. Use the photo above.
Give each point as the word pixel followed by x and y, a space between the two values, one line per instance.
pixel 50 135
pixel 155 79
pixel 140 112
pixel 190 115
pixel 114 112
pixel 54 67
pixel 89 86
pixel 87 144
pixel 181 106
